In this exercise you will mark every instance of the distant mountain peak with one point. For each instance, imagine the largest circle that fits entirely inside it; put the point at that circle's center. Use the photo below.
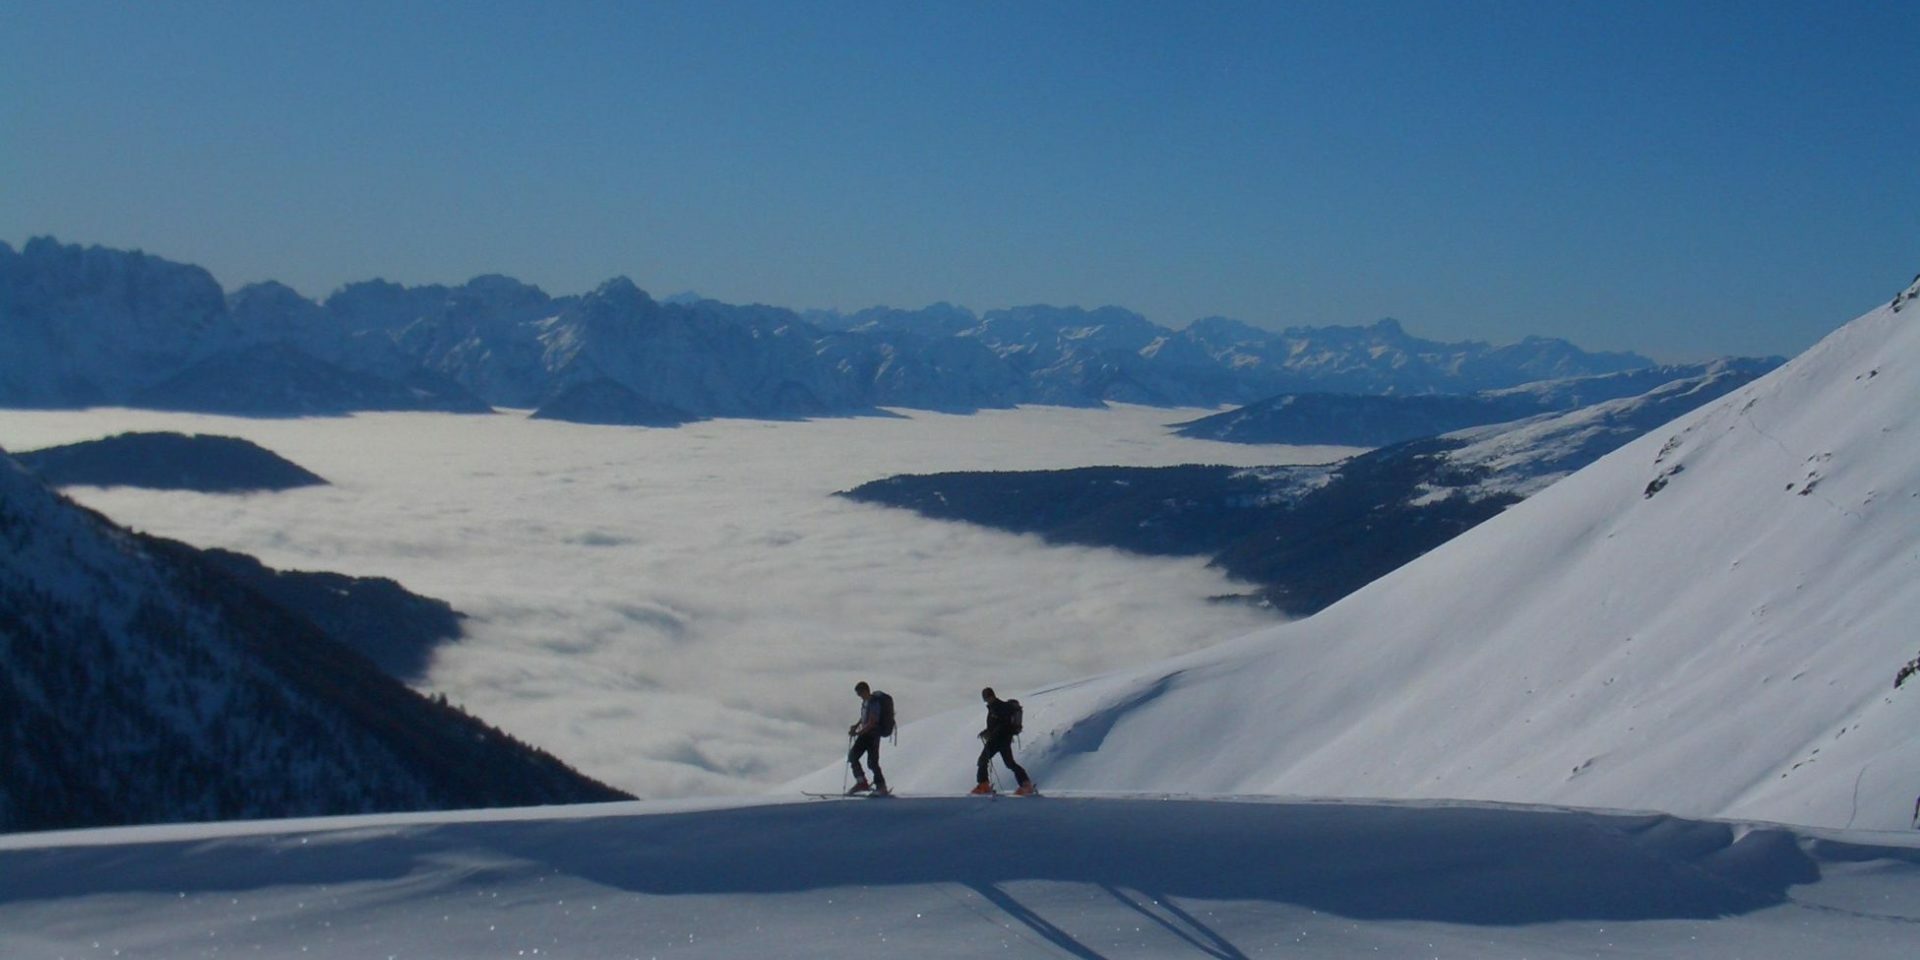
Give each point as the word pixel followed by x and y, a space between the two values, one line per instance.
pixel 622 290
pixel 499 284
pixel 618 301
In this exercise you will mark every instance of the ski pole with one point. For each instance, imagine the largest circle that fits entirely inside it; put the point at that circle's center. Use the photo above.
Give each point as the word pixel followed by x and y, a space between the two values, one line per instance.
pixel 848 765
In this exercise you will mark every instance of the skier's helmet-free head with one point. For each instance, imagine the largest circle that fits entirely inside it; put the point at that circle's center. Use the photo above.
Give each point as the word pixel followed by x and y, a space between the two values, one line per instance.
pixel 986 694
pixel 862 689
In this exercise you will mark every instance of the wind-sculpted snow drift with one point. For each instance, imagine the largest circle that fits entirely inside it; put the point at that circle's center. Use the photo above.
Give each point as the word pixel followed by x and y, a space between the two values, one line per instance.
pixel 1706 621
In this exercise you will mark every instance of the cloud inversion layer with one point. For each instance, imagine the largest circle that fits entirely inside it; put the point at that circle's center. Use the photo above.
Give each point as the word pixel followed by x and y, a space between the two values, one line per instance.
pixel 685 611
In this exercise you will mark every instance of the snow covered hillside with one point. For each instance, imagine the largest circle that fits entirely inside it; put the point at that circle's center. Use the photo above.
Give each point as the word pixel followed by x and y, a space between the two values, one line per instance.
pixel 1521 458
pixel 1707 621
pixel 964 877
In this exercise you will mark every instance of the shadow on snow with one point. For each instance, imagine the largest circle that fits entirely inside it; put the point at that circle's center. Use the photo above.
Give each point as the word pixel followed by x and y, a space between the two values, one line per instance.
pixel 1484 865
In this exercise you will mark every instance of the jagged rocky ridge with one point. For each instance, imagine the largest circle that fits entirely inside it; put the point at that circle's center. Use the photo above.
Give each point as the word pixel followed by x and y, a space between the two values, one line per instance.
pixel 1308 535
pixel 92 326
pixel 141 683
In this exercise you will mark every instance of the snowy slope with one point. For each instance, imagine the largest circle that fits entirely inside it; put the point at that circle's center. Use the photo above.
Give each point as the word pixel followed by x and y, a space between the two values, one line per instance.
pixel 960 877
pixel 1707 621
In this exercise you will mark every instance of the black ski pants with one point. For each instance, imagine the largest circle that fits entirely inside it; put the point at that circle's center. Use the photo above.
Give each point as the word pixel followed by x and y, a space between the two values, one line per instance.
pixel 1003 746
pixel 867 743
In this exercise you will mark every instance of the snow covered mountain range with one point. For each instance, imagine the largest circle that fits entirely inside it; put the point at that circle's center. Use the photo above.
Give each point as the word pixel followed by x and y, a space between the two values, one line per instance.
pixel 93 326
pixel 141 682
pixel 1707 621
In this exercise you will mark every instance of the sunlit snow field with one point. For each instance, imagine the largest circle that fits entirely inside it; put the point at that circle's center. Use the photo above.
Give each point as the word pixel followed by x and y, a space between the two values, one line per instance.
pixel 684 612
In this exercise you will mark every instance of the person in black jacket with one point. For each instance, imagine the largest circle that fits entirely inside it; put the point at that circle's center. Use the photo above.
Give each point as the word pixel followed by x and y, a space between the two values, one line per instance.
pixel 866 732
pixel 1003 722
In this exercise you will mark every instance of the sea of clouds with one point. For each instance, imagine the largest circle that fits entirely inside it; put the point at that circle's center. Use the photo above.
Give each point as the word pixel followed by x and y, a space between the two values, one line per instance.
pixel 684 612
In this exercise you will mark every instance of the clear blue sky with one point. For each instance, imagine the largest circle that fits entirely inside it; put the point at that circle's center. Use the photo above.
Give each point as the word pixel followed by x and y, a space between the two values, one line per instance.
pixel 1684 179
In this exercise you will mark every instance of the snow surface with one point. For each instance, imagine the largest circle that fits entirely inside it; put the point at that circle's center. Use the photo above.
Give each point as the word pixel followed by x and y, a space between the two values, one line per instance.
pixel 1085 877
pixel 1707 621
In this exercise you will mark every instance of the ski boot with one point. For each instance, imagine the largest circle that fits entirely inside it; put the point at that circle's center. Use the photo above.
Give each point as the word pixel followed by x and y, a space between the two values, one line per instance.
pixel 1027 790
pixel 862 787
pixel 985 789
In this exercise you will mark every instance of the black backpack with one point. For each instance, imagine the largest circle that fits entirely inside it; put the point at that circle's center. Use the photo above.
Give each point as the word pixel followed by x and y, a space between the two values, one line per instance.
pixel 1010 715
pixel 885 725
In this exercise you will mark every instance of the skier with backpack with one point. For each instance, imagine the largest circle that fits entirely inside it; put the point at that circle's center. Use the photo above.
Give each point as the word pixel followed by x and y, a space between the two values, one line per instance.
pixel 1003 724
pixel 876 721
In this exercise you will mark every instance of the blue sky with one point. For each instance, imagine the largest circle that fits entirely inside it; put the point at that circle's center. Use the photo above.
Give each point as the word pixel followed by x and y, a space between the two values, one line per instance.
pixel 1684 179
